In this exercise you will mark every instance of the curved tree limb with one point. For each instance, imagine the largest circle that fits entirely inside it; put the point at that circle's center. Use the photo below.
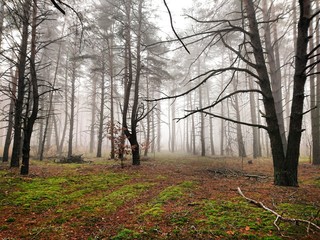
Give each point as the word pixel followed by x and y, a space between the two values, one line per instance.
pixel 171 22
pixel 202 110
pixel 211 74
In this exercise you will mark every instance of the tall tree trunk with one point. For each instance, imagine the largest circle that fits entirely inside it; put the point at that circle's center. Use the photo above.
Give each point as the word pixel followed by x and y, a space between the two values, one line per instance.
pixel 93 114
pixel 241 146
pixel 211 133
pixel 112 102
pixel 202 119
pixel 8 139
pixel 290 171
pixel 314 114
pixel 173 125
pixel 256 146
pixel 147 138
pixel 101 115
pixel 222 125
pixel 285 165
pixel 56 131
pixel 1 21
pixel 159 128
pixel 268 101
pixel 132 135
pixel 316 154
pixel 275 70
pixel 73 95
pixel 193 131
pixel 134 116
pixel 35 97
pixel 50 110
pixel 17 140
pixel 64 130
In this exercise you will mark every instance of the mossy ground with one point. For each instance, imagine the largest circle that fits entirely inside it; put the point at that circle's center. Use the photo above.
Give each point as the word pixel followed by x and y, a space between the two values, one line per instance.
pixel 170 197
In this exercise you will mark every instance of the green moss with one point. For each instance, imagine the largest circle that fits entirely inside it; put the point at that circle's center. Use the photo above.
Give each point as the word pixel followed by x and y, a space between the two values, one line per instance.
pixel 174 192
pixel 126 234
pixel 116 198
pixel 154 209
pixel 4 227
pixel 235 217
pixel 40 194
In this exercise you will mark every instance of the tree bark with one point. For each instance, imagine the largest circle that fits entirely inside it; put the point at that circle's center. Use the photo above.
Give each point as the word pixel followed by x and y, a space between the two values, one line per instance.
pixel 101 114
pixel 5 157
pixel 241 146
pixel 268 101
pixel 289 176
pixel 275 71
pixel 256 146
pixel 112 102
pixel 17 140
pixel 93 114
pixel 35 97
pixel 210 126
pixel 316 153
pixel 73 95
pixel 1 21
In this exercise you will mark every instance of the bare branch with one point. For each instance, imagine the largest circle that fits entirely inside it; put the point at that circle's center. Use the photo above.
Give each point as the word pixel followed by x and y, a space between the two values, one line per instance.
pixel 278 216
pixel 58 7
pixel 219 101
pixel 211 74
pixel 235 121
pixel 165 3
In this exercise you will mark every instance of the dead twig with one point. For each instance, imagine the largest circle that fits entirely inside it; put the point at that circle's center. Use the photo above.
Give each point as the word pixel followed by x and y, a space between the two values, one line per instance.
pixel 278 216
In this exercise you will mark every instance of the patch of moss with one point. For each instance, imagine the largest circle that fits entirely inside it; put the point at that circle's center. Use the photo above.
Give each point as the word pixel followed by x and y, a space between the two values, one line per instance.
pixel 235 219
pixel 154 209
pixel 118 197
pixel 40 194
pixel 4 227
pixel 126 234
pixel 243 220
pixel 174 192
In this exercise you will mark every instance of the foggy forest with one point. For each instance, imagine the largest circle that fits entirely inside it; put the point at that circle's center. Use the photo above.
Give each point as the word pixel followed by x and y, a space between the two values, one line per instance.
pixel 145 83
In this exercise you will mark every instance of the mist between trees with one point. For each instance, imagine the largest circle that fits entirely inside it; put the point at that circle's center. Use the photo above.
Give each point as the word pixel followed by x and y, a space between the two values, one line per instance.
pixel 102 78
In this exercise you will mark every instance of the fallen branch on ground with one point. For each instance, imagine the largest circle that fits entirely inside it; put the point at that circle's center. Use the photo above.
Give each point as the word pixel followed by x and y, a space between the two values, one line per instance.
pixel 256 177
pixel 278 216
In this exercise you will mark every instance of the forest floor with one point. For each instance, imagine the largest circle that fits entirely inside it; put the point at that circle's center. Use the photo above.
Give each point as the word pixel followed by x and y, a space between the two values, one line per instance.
pixel 167 197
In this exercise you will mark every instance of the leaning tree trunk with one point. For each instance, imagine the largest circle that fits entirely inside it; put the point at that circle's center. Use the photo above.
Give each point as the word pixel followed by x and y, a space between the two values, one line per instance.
pixel 8 139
